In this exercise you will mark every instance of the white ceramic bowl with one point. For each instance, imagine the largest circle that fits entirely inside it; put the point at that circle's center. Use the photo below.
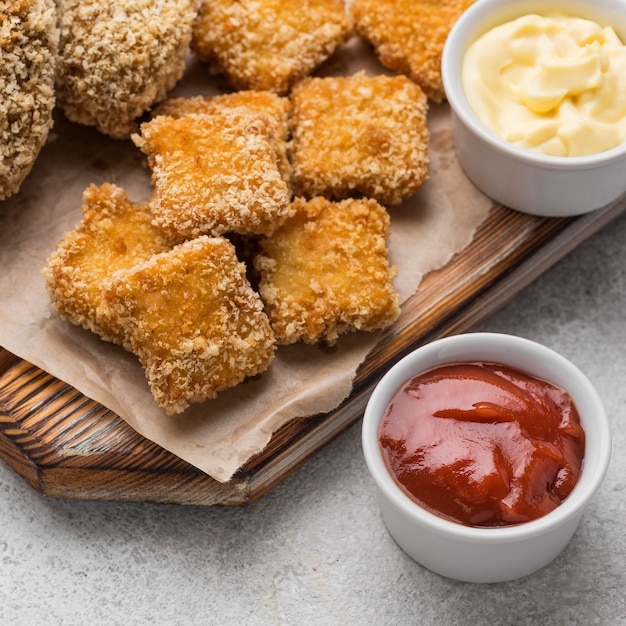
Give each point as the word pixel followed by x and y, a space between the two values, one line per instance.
pixel 521 179
pixel 487 554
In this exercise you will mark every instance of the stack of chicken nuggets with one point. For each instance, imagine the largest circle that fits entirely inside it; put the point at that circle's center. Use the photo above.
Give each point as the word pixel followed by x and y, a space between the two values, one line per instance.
pixel 186 310
pixel 301 179
pixel 184 305
pixel 358 143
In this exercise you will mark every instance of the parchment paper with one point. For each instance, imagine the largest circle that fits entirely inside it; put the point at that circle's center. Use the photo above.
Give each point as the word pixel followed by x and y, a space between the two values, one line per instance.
pixel 218 436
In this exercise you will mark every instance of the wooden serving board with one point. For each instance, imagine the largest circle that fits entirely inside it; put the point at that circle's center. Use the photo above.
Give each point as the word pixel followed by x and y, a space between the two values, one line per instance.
pixel 66 445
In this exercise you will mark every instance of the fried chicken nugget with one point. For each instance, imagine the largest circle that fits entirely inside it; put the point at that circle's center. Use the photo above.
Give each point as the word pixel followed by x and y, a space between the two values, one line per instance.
pixel 214 174
pixel 114 233
pixel 408 36
pixel 116 59
pixel 359 134
pixel 28 46
pixel 269 44
pixel 193 320
pixel 326 271
pixel 275 107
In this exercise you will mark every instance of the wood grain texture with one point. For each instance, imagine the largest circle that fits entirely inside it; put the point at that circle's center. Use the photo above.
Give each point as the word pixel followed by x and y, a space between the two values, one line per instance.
pixel 66 445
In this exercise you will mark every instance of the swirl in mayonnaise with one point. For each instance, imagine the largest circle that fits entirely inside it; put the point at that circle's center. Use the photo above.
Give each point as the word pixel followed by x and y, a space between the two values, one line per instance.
pixel 554 84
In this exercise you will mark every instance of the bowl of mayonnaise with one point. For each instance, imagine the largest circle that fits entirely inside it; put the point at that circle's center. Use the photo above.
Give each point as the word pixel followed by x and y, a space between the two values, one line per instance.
pixel 537 92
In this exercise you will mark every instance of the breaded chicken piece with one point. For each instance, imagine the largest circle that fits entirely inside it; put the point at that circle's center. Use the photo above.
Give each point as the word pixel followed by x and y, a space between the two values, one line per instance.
pixel 408 36
pixel 114 233
pixel 275 107
pixel 28 46
pixel 359 134
pixel 193 320
pixel 269 44
pixel 214 174
pixel 116 59
pixel 326 271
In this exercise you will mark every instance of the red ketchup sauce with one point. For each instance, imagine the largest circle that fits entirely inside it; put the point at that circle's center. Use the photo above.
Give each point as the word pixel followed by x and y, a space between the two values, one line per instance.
pixel 483 444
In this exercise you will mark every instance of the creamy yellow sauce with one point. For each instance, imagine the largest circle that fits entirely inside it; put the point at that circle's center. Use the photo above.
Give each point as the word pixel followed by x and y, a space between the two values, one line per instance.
pixel 553 84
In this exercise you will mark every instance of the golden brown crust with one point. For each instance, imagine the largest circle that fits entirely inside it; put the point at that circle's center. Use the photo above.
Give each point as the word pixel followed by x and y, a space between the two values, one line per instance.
pixel 359 134
pixel 116 59
pixel 193 320
pixel 409 35
pixel 214 174
pixel 326 271
pixel 276 109
pixel 269 44
pixel 114 233
pixel 28 45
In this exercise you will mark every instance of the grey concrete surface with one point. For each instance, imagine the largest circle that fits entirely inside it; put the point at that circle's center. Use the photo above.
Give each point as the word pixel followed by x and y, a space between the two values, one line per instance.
pixel 314 550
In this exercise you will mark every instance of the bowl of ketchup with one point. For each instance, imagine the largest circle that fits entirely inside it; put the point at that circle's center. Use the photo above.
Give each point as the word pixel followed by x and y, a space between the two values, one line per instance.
pixel 485 449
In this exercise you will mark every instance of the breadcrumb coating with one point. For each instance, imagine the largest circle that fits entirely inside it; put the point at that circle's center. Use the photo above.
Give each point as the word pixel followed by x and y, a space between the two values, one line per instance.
pixel 326 271
pixel 269 44
pixel 28 46
pixel 275 107
pixel 359 134
pixel 116 59
pixel 214 174
pixel 408 36
pixel 114 233
pixel 193 320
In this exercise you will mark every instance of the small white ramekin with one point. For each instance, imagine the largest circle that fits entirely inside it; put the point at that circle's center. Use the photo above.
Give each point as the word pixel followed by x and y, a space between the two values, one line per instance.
pixel 521 179
pixel 483 555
